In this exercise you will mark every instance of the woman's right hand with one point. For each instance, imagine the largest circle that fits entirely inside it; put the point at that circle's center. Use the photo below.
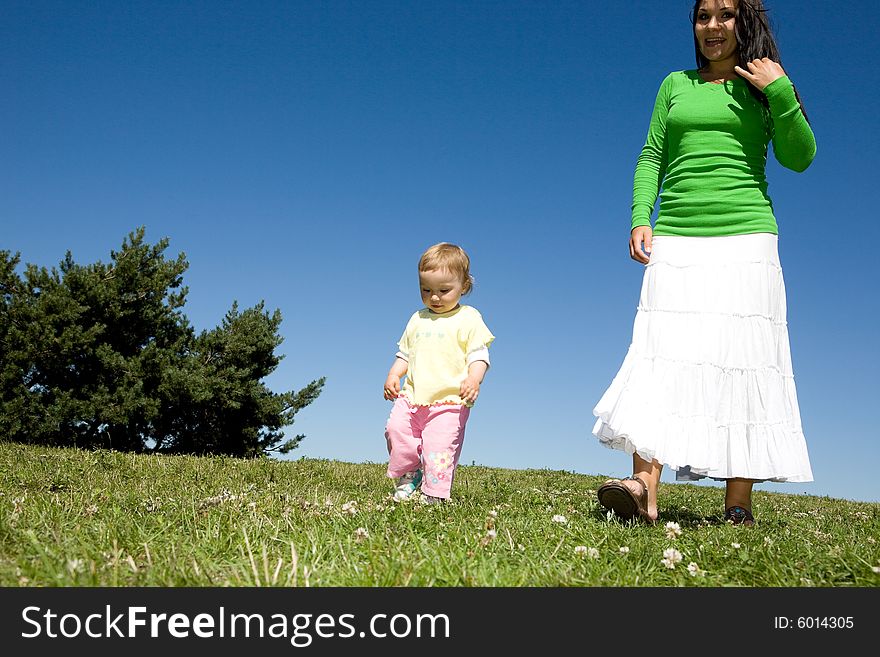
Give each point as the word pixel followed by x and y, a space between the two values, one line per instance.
pixel 640 235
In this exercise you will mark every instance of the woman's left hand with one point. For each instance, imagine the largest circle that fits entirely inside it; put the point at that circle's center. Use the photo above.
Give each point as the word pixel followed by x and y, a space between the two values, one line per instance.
pixel 761 72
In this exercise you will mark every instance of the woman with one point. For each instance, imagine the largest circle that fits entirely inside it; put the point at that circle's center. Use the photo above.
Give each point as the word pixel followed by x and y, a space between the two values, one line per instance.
pixel 707 386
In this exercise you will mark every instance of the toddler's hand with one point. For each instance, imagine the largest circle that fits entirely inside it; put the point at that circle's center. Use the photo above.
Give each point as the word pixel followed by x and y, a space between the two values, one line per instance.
pixel 392 388
pixel 469 390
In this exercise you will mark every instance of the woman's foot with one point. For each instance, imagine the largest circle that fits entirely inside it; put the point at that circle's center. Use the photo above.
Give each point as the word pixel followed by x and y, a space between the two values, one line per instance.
pixel 628 498
pixel 738 502
pixel 739 515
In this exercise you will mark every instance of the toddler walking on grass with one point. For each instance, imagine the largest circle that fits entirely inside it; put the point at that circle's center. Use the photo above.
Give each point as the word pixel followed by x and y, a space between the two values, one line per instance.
pixel 444 355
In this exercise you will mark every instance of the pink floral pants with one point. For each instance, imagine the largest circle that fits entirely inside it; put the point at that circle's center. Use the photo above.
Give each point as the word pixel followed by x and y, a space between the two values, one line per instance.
pixel 429 437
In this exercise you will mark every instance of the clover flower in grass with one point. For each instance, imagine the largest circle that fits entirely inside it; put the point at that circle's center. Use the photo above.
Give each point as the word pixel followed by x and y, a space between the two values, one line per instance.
pixel 671 556
pixel 695 570
pixel 871 540
pixel 361 534
pixel 673 529
pixel 560 519
pixel 624 549
pixel 488 537
pixel 152 505
pixel 735 546
pixel 876 569
pixel 350 508
pixel 493 513
pixel 224 496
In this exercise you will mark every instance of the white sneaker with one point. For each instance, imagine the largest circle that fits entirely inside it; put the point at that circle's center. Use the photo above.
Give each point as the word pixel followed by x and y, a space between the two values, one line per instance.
pixel 407 485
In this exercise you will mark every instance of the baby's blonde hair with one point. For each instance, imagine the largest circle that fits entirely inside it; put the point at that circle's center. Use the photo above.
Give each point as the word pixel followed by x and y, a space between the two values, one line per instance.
pixel 452 258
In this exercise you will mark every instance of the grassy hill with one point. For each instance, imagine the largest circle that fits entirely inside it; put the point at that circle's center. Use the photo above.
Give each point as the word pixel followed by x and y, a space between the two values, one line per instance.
pixel 78 518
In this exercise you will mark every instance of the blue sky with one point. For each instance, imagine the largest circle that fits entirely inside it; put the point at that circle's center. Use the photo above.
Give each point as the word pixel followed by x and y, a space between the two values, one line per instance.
pixel 305 154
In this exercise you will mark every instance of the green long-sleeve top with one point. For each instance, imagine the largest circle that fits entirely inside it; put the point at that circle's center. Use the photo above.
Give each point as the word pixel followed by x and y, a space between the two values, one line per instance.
pixel 706 155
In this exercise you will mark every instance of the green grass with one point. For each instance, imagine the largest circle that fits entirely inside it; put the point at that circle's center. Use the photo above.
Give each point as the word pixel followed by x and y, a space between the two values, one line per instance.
pixel 82 518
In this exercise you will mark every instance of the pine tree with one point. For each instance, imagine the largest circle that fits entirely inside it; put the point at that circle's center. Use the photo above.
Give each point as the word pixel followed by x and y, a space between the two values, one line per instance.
pixel 102 355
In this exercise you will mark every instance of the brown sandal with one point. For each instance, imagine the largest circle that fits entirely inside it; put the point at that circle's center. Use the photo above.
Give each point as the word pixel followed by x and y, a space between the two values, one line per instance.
pixel 616 496
pixel 738 515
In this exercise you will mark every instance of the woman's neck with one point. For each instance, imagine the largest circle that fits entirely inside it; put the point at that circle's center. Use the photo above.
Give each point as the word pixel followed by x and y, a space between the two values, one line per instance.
pixel 718 72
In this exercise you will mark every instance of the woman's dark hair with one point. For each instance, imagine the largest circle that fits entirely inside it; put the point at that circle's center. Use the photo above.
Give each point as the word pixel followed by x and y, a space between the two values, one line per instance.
pixel 754 40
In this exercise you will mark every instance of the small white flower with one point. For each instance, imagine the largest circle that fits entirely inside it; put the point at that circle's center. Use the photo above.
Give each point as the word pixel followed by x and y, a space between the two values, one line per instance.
pixel 560 519
pixel 350 508
pixel 671 556
pixel 624 549
pixel 488 537
pixel 361 533
pixel 593 553
pixel 876 569
pixel 735 546
pixel 694 569
pixel 871 540
pixel 224 496
pixel 75 565
pixel 673 529
pixel 17 504
pixel 768 540
pixel 580 549
pixel 493 513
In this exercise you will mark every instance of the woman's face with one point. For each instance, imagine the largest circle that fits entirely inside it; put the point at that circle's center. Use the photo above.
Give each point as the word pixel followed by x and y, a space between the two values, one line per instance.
pixel 714 29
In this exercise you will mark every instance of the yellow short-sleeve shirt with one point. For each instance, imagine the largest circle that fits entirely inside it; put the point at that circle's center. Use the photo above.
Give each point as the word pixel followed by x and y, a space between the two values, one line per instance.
pixel 436 346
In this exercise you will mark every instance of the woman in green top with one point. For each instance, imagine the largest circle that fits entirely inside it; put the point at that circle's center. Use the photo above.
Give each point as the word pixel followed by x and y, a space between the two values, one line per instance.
pixel 707 385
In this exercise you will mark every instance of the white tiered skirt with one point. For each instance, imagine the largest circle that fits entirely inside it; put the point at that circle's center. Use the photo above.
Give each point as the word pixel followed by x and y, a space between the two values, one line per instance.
pixel 707 387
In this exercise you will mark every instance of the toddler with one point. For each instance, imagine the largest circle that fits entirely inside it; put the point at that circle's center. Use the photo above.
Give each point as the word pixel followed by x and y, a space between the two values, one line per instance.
pixel 444 354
